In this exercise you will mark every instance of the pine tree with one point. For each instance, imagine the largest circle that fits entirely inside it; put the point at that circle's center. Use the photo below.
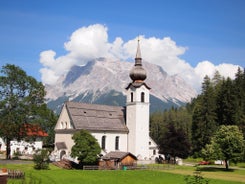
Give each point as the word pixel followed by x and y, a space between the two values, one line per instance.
pixel 239 91
pixel 175 142
pixel 226 103
pixel 204 117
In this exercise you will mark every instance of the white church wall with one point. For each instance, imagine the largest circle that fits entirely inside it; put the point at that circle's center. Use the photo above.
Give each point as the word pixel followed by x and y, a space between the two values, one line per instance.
pixel 67 139
pixel 138 122
pixel 64 120
pixel 111 141
pixel 142 133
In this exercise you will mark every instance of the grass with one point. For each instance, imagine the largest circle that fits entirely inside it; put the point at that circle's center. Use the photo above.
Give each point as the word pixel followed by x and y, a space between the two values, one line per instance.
pixel 213 172
pixel 170 176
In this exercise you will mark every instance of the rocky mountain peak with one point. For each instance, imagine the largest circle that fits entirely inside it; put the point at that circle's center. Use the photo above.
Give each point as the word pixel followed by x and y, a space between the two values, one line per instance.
pixel 101 76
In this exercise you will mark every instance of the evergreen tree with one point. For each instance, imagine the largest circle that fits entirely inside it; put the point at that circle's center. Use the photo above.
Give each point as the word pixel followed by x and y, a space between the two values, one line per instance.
pixel 217 79
pixel 226 103
pixel 156 126
pixel 180 118
pixel 204 117
pixel 175 142
pixel 239 91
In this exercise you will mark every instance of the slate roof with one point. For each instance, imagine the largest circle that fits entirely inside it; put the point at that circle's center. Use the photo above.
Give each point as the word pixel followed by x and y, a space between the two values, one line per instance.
pixel 117 155
pixel 61 145
pixel 94 117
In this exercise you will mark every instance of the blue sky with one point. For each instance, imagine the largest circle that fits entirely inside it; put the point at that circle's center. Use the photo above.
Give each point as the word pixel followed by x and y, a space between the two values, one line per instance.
pixel 202 33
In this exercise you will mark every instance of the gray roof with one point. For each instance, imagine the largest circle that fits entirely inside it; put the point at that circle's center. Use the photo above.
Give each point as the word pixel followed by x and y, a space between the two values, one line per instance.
pixel 61 145
pixel 94 117
pixel 117 155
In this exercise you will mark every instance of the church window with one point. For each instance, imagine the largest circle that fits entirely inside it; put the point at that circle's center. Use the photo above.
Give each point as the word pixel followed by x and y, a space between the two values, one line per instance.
pixel 117 143
pixel 142 97
pixel 103 142
pixel 154 152
pixel 132 97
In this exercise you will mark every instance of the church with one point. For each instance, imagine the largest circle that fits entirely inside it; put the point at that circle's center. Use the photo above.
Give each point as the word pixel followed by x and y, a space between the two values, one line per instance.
pixel 116 128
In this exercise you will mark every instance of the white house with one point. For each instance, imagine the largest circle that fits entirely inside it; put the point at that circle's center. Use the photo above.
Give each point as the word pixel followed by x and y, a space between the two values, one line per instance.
pixel 26 148
pixel 116 128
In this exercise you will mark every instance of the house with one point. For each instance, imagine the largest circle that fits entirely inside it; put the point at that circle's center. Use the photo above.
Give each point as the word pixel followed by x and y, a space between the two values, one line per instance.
pixel 123 129
pixel 117 160
pixel 33 141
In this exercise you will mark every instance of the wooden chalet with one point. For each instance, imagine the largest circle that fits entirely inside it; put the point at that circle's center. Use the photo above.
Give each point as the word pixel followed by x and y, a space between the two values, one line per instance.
pixel 117 160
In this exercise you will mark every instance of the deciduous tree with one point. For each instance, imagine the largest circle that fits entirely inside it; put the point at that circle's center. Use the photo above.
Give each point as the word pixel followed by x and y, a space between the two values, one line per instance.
pixel 86 148
pixel 228 143
pixel 21 102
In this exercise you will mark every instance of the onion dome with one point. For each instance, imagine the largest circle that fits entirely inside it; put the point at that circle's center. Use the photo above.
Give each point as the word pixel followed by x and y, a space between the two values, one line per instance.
pixel 138 73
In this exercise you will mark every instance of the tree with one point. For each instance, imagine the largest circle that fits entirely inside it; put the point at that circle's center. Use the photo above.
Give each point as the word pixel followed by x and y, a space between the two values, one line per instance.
pixel 179 117
pixel 227 103
pixel 204 117
pixel 21 101
pixel 86 148
pixel 228 143
pixel 175 142
pixel 41 159
pixel 239 90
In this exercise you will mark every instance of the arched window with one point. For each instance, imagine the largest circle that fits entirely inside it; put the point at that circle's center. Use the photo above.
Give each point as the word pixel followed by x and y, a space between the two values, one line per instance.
pixel 142 97
pixel 132 97
pixel 117 143
pixel 103 142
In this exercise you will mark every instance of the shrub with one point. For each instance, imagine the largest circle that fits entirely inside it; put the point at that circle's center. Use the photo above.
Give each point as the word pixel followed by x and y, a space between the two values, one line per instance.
pixel 41 159
pixel 197 178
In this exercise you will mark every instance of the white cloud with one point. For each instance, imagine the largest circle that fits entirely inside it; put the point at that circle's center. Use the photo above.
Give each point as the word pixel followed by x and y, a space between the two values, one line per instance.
pixel 88 42
pixel 207 68
pixel 91 42
pixel 84 44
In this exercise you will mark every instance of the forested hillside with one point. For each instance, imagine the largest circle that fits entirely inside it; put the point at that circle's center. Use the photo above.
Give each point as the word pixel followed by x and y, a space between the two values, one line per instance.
pixel 221 102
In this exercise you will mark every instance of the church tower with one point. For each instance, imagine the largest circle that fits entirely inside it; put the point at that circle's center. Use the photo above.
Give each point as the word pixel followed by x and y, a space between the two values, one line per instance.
pixel 137 110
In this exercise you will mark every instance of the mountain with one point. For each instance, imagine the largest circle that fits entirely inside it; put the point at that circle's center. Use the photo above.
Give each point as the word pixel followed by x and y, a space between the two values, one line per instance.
pixel 103 81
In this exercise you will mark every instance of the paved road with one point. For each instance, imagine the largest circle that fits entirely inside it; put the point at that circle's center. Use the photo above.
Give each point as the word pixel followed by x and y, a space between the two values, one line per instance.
pixel 15 162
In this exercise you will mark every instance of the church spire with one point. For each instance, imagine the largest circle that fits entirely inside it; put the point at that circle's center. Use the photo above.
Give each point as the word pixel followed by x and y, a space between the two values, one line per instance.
pixel 138 73
pixel 138 53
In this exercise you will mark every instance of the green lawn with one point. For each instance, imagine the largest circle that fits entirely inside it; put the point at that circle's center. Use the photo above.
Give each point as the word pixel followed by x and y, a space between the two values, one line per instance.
pixel 169 176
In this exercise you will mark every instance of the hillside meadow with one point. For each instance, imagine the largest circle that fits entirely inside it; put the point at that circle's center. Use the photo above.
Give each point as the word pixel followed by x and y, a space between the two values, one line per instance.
pixel 171 175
